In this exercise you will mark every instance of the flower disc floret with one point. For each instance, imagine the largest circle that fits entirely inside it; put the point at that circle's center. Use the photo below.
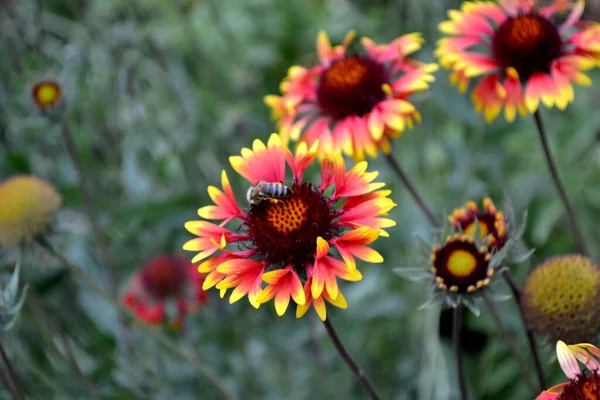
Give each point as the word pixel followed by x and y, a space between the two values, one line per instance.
pixel 561 299
pixel 518 55
pixel 286 232
pixel 28 205
pixel 461 266
pixel 285 242
pixel 350 102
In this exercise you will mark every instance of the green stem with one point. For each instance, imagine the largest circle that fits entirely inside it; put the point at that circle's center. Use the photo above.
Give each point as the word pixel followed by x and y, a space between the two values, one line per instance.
pixel 530 339
pixel 456 327
pixel 186 354
pixel 433 220
pixel 509 343
pixel 356 369
pixel 578 236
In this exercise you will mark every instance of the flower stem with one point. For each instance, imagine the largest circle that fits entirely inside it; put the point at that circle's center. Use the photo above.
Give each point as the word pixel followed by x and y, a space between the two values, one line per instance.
pixel 456 322
pixel 358 372
pixel 578 236
pixel 530 339
pixel 509 343
pixel 433 220
pixel 13 380
pixel 93 217
pixel 155 333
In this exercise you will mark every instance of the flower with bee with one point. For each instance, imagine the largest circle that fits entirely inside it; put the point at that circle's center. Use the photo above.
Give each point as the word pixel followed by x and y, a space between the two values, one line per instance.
pixel 283 250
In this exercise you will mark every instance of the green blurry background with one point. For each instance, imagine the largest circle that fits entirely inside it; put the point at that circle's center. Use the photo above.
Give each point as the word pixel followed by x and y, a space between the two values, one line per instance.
pixel 159 94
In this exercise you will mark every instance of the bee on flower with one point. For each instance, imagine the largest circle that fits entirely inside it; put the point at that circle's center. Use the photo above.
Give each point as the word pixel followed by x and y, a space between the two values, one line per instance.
pixel 517 54
pixel 284 249
pixel 352 102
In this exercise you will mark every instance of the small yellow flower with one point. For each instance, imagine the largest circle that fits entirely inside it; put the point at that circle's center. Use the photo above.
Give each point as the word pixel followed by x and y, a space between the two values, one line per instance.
pixel 561 299
pixel 27 207
pixel 46 94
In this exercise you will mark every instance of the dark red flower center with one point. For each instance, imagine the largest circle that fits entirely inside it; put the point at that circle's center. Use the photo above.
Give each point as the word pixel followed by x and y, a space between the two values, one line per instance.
pixel 164 276
pixel 459 266
pixel 584 388
pixel 285 232
pixel 351 86
pixel 529 43
pixel 487 226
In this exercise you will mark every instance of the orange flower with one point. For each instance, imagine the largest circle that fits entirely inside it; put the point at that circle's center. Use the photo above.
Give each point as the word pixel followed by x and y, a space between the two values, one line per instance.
pixel 288 230
pixel 350 102
pixel 581 386
pixel 162 280
pixel 522 56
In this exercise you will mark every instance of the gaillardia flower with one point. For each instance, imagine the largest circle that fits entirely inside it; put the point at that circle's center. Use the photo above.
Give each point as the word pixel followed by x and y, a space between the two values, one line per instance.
pixel 520 54
pixel 581 386
pixel 46 95
pixel 561 299
pixel 166 288
pixel 287 237
pixel 459 270
pixel 352 102
pixel 491 223
pixel 28 205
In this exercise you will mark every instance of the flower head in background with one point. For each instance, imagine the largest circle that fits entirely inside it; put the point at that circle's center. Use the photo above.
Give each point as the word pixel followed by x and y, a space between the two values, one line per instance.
pixel 520 55
pixel 561 299
pixel 581 386
pixel 352 102
pixel 28 205
pixel 46 95
pixel 297 236
pixel 491 223
pixel 461 265
pixel 166 288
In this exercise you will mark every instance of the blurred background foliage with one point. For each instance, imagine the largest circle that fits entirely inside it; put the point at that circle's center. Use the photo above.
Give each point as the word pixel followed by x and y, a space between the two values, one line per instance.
pixel 159 94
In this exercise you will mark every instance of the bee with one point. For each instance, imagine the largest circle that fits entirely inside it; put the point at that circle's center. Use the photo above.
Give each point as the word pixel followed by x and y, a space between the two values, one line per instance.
pixel 271 191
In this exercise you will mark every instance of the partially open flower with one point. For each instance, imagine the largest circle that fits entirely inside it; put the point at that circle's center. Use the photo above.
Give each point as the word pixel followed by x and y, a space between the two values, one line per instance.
pixel 460 270
pixel 581 386
pixel 561 299
pixel 28 205
pixel 297 236
pixel 46 95
pixel 166 288
pixel 352 102
pixel 519 55
pixel 490 222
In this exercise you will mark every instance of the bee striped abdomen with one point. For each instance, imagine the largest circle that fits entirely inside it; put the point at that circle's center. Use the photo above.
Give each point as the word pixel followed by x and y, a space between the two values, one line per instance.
pixel 274 189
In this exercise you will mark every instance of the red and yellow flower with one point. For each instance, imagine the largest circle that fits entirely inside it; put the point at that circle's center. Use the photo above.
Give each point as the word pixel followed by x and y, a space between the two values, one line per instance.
pixel 46 95
pixel 287 243
pixel 581 386
pixel 351 102
pixel 521 55
pixel 490 222
pixel 165 285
